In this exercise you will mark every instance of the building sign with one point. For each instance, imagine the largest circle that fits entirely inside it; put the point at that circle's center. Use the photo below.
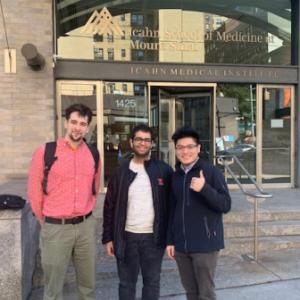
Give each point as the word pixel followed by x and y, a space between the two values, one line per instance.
pixel 128 104
pixel 174 72
pixel 199 36
pixel 165 40
pixel 193 41
pixel 203 72
pixel 102 23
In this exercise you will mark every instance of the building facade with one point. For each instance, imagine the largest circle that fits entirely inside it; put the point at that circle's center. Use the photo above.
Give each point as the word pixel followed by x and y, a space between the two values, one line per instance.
pixel 228 69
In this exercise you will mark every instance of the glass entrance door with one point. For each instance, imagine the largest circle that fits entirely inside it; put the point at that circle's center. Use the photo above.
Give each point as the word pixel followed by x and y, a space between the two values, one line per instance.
pixel 276 142
pixel 236 127
pixel 169 109
pixel 177 105
pixel 254 123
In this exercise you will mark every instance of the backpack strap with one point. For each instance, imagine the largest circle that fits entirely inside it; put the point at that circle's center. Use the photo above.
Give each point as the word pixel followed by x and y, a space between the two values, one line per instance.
pixel 95 154
pixel 49 159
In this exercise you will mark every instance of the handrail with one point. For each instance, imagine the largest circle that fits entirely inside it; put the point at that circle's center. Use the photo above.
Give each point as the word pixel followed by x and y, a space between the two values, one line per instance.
pixel 222 159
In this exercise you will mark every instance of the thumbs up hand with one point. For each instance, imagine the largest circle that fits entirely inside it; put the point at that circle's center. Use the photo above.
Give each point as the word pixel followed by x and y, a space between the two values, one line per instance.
pixel 197 183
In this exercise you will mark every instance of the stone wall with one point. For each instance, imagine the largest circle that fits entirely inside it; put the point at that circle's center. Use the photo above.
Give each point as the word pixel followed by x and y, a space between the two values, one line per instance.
pixel 18 249
pixel 27 97
pixel 19 232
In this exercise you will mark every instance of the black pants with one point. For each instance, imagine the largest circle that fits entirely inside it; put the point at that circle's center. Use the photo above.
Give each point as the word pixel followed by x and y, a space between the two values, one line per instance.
pixel 197 271
pixel 140 253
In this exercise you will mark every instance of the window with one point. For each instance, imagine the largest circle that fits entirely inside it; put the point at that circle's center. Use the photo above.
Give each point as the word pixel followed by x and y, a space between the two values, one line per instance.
pixel 110 88
pixel 122 111
pixel 98 53
pixel 138 55
pixel 223 28
pixel 98 38
pixel 139 89
pixel 123 52
pixel 123 35
pixel 137 20
pixel 110 54
pixel 110 37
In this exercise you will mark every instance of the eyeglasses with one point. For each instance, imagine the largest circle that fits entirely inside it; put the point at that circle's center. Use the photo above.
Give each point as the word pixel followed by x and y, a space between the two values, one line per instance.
pixel 139 140
pixel 187 147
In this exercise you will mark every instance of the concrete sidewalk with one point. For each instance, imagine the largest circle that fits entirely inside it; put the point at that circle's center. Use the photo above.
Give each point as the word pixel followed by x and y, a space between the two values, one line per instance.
pixel 274 290
pixel 276 276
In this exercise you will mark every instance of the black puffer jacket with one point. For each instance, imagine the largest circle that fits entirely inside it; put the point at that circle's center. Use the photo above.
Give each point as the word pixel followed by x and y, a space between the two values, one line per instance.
pixel 196 223
pixel 115 205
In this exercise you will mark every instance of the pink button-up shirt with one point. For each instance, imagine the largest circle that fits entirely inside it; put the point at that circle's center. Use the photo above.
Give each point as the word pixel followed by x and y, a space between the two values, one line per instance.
pixel 69 182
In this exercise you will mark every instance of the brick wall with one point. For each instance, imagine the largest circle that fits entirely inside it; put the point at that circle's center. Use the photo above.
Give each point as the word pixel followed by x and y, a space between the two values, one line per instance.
pixel 27 97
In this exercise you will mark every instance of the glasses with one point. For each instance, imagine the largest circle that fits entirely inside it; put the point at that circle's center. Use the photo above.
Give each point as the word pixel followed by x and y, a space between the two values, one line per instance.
pixel 139 140
pixel 187 147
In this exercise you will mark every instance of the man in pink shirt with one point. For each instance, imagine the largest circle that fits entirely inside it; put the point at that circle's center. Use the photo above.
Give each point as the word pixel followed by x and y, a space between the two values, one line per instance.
pixel 64 210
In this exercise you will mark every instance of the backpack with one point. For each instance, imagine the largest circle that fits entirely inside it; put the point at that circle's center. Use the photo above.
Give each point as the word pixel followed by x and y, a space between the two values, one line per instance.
pixel 8 201
pixel 50 158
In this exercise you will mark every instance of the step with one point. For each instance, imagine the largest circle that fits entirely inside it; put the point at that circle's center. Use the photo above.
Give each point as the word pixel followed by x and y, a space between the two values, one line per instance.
pixel 239 246
pixel 265 228
pixel 263 215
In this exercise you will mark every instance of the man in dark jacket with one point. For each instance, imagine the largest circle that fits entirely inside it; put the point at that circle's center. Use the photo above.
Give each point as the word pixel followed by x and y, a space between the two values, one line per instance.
pixel 198 200
pixel 136 217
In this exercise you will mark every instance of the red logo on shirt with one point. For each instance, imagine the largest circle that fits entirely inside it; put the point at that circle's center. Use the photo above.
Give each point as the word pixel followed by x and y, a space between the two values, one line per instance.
pixel 160 181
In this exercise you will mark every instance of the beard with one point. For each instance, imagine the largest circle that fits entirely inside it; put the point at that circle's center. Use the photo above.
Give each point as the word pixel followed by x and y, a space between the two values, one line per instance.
pixel 141 155
pixel 75 140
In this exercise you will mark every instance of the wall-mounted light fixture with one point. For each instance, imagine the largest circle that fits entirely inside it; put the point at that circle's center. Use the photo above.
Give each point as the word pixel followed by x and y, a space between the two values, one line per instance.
pixel 33 58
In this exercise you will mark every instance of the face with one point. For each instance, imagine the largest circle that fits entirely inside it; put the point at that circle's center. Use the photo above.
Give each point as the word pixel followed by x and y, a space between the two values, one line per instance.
pixel 76 127
pixel 187 150
pixel 141 144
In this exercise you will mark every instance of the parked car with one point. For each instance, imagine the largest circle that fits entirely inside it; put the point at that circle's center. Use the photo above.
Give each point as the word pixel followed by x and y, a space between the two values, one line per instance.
pixel 238 149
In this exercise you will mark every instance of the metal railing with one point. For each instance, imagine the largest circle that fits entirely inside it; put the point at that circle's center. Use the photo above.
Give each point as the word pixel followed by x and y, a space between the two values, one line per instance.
pixel 252 196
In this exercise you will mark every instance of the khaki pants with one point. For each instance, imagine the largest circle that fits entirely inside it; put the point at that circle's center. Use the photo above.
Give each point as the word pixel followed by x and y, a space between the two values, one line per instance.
pixel 60 243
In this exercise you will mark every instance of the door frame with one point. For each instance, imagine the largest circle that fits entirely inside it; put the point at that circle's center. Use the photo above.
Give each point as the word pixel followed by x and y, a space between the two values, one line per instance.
pixel 171 104
pixel 99 116
pixel 212 85
pixel 259 113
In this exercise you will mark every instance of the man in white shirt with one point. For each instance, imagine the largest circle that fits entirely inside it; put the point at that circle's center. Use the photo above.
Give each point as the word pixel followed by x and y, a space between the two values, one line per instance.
pixel 135 217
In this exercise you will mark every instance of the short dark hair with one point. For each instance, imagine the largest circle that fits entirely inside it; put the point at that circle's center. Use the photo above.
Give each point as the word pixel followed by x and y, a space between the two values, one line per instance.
pixel 82 110
pixel 186 132
pixel 143 128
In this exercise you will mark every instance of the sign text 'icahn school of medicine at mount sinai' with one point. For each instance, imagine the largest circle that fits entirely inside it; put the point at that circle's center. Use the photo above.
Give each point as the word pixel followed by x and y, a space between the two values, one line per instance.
pixel 190 41
pixel 145 38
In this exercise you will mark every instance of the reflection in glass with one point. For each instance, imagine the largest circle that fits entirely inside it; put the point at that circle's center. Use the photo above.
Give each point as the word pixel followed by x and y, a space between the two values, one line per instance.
pixel 236 126
pixel 72 93
pixel 243 32
pixel 174 107
pixel 276 142
pixel 123 109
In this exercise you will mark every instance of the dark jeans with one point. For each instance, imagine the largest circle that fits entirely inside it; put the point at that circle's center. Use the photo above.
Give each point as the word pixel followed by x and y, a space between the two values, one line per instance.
pixel 197 271
pixel 140 253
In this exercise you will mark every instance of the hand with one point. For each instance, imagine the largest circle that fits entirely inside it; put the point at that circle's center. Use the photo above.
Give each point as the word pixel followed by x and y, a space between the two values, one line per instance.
pixel 110 249
pixel 197 183
pixel 171 251
pixel 41 220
